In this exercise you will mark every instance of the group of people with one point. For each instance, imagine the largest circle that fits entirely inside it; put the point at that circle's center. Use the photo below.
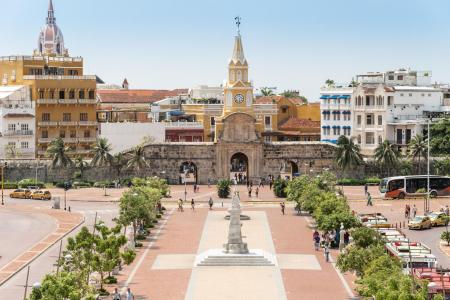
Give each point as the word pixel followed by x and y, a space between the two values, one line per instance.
pixel 181 202
pixel 250 190
pixel 240 177
pixel 410 212
pixel 196 188
pixel 326 240
pixel 116 295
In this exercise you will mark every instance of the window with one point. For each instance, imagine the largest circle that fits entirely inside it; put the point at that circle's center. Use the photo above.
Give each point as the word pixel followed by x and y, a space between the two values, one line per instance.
pixel 359 139
pixel 324 131
pixel 62 94
pixel 401 95
pixel 337 131
pixel 346 131
pixel 284 110
pixel 11 127
pixel 391 77
pixel 24 127
pixel 24 145
pixel 380 139
pixel 267 121
pixel 62 134
pixel 336 116
pixel 410 94
pixel 81 95
pixel 44 134
pixel 87 133
pixel 369 119
pixel 73 72
pixel 41 95
pixel 390 100
pixel 212 121
pixel 73 134
pixel 370 138
pixel 429 95
pixel 12 144
pixel 380 120
pixel 46 117
pixel 358 118
pixel 52 94
pixel 83 117
pixel 380 100
pixel 267 139
pixel 400 77
pixel 71 94
pixel 67 117
pixel 91 95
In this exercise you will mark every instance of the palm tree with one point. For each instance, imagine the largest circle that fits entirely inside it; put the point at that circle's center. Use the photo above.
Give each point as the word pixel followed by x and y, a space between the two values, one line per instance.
pixel 329 82
pixel 137 159
pixel 81 165
pixel 119 162
pixel 58 151
pixel 348 154
pixel 265 91
pixel 101 155
pixel 418 148
pixel 387 154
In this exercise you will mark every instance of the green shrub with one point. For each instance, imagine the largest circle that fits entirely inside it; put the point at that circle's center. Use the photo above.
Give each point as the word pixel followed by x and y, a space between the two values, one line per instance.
pixel 82 184
pixel 10 185
pixel 279 188
pixel 223 188
pixel 372 180
pixel 150 226
pixel 102 184
pixel 158 216
pixel 138 245
pixel 140 237
pixel 155 221
pixel 24 183
pixel 110 280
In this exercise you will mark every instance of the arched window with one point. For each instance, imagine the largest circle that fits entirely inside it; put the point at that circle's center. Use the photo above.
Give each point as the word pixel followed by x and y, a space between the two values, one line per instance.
pixel 58 48
pixel 239 75
pixel 231 75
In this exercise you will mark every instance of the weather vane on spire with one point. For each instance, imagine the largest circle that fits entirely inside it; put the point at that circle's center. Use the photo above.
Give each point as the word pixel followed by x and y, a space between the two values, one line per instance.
pixel 238 23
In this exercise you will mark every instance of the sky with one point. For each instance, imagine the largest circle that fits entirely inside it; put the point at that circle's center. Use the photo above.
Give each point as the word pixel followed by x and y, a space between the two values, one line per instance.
pixel 289 44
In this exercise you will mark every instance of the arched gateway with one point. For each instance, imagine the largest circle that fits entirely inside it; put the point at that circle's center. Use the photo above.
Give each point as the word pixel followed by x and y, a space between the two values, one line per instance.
pixel 239 167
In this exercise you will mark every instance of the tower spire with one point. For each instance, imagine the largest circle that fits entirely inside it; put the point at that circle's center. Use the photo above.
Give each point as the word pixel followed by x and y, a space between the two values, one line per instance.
pixel 51 14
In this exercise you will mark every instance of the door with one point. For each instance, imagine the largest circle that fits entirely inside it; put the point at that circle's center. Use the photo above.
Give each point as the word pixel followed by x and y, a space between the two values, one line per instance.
pixel 408 136
pixel 399 137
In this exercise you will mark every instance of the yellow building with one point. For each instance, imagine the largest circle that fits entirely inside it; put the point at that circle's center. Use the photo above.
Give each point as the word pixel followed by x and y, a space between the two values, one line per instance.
pixel 65 97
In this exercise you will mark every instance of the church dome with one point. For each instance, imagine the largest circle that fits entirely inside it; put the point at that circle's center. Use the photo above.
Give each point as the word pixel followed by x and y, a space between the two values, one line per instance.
pixel 51 40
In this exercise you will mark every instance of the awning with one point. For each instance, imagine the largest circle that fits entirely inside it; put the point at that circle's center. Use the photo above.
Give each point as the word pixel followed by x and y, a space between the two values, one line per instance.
pixel 326 112
pixel 176 113
pixel 324 97
pixel 336 112
pixel 344 97
pixel 335 97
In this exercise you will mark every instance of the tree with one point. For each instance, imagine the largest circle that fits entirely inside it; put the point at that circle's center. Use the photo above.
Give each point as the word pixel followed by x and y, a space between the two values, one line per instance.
pixel 58 152
pixel 152 182
pixel 348 154
pixel 355 259
pixel 329 83
pixel 223 188
pixel 80 165
pixel 118 163
pixel 353 83
pixel 417 149
pixel 440 137
pixel 364 237
pixel 332 211
pixel 279 187
pixel 265 91
pixel 442 166
pixel 137 159
pixel 290 94
pixel 445 236
pixel 387 155
pixel 101 153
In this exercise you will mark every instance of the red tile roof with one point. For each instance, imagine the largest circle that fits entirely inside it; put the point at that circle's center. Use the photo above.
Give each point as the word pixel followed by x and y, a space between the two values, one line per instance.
pixel 136 96
pixel 275 99
pixel 295 123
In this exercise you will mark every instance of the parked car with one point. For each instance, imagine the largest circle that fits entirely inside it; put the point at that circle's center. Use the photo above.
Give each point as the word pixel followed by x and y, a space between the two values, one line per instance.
pixel 438 218
pixel 41 195
pixel 420 222
pixel 377 223
pixel 21 193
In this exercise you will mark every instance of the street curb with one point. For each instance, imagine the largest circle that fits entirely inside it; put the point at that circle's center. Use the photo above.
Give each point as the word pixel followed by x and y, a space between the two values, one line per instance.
pixel 443 249
pixel 42 252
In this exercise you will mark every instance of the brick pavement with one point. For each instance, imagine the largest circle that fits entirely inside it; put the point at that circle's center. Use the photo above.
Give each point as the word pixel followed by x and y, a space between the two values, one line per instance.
pixel 65 223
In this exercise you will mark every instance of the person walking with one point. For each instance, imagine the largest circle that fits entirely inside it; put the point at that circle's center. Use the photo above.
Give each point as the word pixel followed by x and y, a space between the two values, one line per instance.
pixel 270 184
pixel 283 206
pixel 414 211
pixel 195 187
pixel 211 203
pixel 130 295
pixel 116 295
pixel 327 252
pixel 369 199
pixel 447 210
pixel 209 182
pixel 406 211
pixel 180 205
pixel 192 204
pixel 366 189
pixel 249 192
pixel 316 239
pixel 257 192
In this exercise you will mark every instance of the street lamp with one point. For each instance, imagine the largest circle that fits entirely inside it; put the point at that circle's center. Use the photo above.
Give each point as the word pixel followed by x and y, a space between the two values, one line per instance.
pixel 3 166
pixel 428 166
pixel 185 188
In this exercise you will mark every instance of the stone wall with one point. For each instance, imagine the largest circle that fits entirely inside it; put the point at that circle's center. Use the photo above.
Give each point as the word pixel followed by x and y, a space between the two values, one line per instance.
pixel 212 161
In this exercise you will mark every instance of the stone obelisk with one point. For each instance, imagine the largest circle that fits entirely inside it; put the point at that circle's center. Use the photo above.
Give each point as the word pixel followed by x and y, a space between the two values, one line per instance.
pixel 235 244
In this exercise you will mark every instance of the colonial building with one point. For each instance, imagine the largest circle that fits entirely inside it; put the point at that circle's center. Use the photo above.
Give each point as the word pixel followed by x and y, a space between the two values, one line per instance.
pixel 64 97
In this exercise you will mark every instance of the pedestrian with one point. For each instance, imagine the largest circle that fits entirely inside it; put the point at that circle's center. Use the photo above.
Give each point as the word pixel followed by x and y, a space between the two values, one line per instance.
pixel 369 199
pixel 198 188
pixel 209 182
pixel 180 205
pixel 249 192
pixel 257 192
pixel 270 184
pixel 195 187
pixel 414 211
pixel 283 206
pixel 192 203
pixel 447 210
pixel 251 184
pixel 248 184
pixel 130 295
pixel 346 238
pixel 327 252
pixel 116 295
pixel 316 239
pixel 366 189
pixel 406 211
pixel 210 202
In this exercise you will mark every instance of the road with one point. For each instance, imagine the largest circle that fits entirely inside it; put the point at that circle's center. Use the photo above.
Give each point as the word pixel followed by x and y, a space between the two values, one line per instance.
pixel 20 231
pixel 13 289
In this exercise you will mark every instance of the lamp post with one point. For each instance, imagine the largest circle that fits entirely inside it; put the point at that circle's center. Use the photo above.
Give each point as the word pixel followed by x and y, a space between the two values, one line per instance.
pixel 428 166
pixel 185 187
pixel 3 166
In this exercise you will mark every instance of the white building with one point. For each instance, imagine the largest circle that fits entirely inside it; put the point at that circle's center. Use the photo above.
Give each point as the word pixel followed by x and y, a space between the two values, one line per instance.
pixel 123 136
pixel 206 92
pixel 17 123
pixel 335 110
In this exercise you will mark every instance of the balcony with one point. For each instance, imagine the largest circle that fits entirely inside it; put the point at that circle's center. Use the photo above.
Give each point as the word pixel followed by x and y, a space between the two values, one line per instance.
pixel 87 101
pixel 18 133
pixel 87 140
pixel 67 101
pixel 88 123
pixel 47 101
pixel 180 125
pixel 48 123
pixel 83 151
pixel 45 140
pixel 68 123
pixel 70 140
pixel 58 77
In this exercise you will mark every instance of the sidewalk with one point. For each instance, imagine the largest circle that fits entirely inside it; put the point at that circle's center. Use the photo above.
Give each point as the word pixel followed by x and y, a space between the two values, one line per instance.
pixel 65 223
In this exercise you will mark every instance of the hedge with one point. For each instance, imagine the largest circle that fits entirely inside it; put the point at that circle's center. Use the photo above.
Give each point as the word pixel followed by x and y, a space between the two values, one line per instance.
pixel 24 183
pixel 10 185
pixel 82 184
pixel 354 181
pixel 102 184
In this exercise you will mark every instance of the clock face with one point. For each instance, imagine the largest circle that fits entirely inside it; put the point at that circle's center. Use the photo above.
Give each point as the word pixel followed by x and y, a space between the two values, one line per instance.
pixel 239 98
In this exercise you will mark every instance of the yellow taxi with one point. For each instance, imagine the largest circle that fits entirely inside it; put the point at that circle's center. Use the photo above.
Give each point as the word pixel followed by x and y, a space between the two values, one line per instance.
pixel 21 193
pixel 438 218
pixel 420 222
pixel 41 195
